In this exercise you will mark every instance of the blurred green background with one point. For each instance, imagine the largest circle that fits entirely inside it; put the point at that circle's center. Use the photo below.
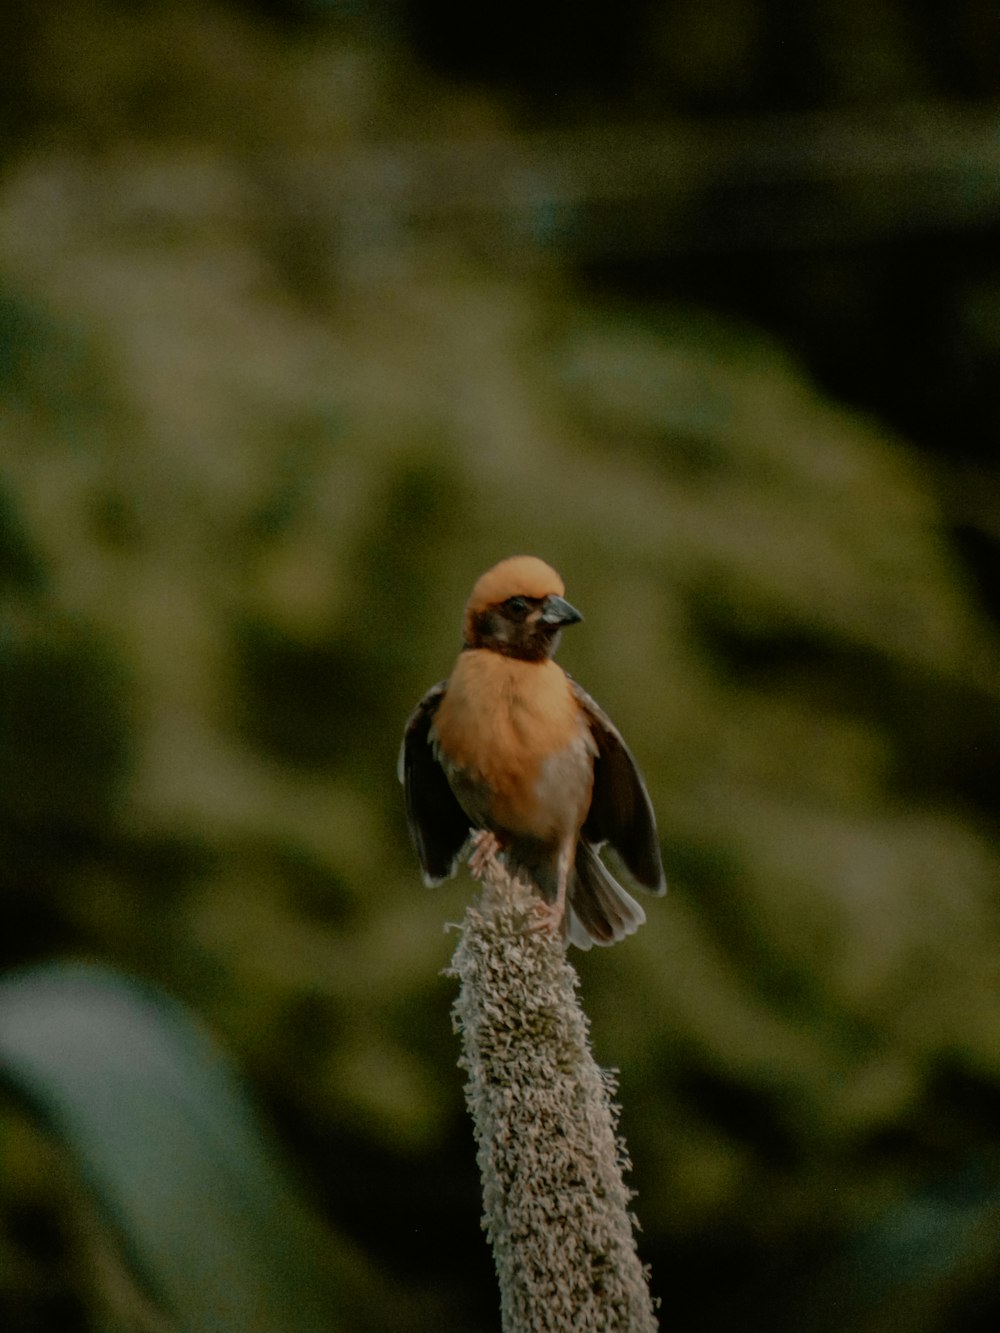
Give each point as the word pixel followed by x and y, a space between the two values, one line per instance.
pixel 308 313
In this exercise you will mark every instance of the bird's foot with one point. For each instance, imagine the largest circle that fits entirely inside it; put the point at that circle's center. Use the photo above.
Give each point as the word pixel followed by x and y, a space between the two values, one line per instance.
pixel 485 848
pixel 547 916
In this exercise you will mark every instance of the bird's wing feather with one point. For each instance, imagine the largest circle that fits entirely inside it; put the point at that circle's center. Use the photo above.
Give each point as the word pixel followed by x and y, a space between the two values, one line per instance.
pixel 439 826
pixel 620 809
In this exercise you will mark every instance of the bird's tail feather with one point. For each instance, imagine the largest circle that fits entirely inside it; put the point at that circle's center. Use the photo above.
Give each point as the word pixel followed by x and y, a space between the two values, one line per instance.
pixel 599 910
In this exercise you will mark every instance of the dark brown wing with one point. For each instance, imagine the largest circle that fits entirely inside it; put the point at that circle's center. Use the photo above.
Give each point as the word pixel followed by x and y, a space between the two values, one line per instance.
pixel 620 809
pixel 439 826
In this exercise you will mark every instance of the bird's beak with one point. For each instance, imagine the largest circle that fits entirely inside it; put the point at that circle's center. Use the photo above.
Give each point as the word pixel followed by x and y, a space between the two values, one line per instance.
pixel 557 611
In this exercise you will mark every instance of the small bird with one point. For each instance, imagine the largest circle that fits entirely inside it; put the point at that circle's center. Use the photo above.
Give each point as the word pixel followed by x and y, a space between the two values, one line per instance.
pixel 510 755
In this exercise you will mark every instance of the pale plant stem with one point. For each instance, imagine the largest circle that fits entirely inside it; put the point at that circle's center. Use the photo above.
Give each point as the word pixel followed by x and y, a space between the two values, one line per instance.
pixel 556 1208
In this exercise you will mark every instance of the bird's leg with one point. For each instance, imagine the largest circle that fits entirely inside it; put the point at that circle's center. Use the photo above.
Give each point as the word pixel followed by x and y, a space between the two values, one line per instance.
pixel 550 915
pixel 485 847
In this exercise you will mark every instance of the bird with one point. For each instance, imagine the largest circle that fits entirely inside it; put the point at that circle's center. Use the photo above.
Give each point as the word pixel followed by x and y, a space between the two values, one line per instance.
pixel 510 757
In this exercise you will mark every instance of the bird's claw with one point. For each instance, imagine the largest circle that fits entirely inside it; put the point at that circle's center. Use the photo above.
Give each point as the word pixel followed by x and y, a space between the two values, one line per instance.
pixel 549 916
pixel 485 848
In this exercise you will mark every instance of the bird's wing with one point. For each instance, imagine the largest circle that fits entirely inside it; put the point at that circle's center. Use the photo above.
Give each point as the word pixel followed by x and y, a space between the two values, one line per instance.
pixel 620 809
pixel 439 826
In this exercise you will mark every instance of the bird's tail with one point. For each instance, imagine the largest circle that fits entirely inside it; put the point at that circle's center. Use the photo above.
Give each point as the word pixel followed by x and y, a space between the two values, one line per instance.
pixel 598 909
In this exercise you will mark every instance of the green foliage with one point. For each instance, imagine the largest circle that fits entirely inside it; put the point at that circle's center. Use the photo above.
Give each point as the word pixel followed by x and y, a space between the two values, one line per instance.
pixel 63 720
pixel 253 453
pixel 173 1158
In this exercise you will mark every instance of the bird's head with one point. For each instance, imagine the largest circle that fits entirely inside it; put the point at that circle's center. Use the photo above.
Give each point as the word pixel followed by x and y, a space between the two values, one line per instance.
pixel 517 608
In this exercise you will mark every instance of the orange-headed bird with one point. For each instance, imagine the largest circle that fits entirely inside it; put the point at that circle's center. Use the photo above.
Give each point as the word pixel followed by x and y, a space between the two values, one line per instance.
pixel 510 751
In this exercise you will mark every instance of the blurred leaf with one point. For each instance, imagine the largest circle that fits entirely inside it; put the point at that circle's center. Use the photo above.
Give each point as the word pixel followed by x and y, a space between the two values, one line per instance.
pixel 164 1136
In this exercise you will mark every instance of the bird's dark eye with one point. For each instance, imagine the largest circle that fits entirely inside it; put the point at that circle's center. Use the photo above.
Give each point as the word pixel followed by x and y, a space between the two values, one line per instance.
pixel 517 607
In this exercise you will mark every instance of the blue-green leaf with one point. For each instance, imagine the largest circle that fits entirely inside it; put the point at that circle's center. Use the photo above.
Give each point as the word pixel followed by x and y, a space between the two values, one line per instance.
pixel 165 1138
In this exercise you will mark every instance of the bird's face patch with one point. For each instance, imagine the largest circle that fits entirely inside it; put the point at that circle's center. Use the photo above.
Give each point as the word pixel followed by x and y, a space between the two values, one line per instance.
pixel 522 626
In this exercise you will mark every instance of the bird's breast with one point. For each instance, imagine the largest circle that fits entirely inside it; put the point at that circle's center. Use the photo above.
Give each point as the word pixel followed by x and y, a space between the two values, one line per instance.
pixel 516 749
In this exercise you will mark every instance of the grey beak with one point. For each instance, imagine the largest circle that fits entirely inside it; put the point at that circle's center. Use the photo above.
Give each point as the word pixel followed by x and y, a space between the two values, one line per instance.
pixel 557 611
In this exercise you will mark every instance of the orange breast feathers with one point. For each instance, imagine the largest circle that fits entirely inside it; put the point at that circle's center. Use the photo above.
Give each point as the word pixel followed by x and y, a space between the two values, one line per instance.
pixel 514 729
